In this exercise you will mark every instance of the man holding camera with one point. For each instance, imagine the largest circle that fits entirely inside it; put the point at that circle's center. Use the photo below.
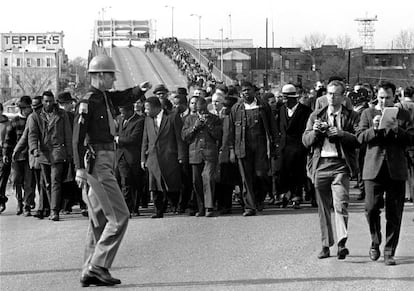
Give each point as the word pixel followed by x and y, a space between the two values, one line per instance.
pixel 330 133
pixel 203 131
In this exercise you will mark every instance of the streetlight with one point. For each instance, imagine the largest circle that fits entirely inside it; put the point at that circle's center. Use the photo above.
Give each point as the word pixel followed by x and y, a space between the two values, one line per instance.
pixel 103 11
pixel 221 59
pixel 172 19
pixel 199 36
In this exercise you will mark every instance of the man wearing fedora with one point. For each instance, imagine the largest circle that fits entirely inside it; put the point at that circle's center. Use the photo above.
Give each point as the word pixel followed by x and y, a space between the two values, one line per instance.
pixel 290 166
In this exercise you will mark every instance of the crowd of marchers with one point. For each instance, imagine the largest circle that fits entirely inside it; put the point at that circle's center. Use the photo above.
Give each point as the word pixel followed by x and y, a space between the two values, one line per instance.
pixel 197 153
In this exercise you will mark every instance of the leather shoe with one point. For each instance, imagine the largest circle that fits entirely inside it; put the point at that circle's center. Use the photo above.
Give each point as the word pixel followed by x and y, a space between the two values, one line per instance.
pixel 84 212
pixel 157 216
pixel 19 210
pixel 87 280
pixel 39 214
pixel 102 274
pixel 296 205
pixel 342 253
pixel 389 260
pixel 249 213
pixel 325 253
pixel 27 213
pixel 209 213
pixel 200 213
pixel 54 216
pixel 2 207
pixel 374 253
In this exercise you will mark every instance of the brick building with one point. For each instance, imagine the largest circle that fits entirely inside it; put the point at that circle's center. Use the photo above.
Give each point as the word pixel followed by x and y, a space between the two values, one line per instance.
pixel 31 63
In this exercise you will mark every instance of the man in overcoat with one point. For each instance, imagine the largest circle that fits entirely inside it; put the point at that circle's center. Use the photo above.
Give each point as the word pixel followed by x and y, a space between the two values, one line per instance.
pixel 162 152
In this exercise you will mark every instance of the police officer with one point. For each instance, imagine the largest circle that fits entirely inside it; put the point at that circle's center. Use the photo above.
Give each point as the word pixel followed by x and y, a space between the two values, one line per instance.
pixel 94 127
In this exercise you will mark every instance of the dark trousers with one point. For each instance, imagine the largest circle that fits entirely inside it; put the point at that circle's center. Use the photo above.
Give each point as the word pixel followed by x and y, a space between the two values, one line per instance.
pixel 41 189
pixel 187 199
pixel 130 177
pixel 4 177
pixel 24 180
pixel 394 205
pixel 204 183
pixel 224 195
pixel 161 200
pixel 53 176
pixel 253 183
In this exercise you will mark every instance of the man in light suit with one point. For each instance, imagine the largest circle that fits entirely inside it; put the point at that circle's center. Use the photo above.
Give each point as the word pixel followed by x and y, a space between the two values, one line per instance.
pixel 330 134
pixel 128 155
pixel 385 170
pixel 162 153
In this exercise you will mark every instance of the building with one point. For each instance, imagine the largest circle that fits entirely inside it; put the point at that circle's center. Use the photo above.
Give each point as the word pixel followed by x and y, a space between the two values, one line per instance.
pixel 31 63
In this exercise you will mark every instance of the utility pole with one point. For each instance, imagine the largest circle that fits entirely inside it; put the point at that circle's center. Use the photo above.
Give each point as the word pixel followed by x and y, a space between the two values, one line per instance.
pixel 349 66
pixel 265 75
pixel 172 19
pixel 221 58
pixel 199 37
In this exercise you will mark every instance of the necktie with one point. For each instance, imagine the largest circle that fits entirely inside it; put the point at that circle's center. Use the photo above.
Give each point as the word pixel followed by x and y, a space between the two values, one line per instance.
pixel 155 125
pixel 337 144
pixel 111 121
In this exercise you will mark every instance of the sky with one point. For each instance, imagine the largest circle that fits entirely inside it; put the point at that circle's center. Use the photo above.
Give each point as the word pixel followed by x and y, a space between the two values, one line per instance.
pixel 290 21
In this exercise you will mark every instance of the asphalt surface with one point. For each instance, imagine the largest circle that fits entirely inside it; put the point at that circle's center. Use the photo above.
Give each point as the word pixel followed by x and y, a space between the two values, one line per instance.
pixel 275 250
pixel 135 66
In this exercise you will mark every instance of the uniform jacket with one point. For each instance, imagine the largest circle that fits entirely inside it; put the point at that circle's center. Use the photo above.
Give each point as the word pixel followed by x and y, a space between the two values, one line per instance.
pixel 130 139
pixel 349 143
pixel 53 138
pixel 203 142
pixel 91 118
pixel 290 133
pixel 161 151
pixel 382 147
pixel 237 134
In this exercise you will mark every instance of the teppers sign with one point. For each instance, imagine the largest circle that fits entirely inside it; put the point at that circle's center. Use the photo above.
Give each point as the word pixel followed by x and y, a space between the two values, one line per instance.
pixel 49 41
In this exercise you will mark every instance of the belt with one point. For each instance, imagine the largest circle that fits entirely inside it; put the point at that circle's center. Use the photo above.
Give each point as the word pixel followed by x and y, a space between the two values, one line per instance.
pixel 331 159
pixel 103 146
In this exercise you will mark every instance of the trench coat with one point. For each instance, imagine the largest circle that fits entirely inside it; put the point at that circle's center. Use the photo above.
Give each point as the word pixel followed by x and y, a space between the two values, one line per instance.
pixel 161 152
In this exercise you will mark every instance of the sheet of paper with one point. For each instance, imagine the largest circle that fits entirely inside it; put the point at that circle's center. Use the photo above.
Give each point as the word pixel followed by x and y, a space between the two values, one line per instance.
pixel 388 115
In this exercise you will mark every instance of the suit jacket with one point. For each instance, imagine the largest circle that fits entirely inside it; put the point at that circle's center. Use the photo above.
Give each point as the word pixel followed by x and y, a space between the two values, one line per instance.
pixel 237 127
pixel 385 147
pixel 349 142
pixel 290 133
pixel 162 150
pixel 203 142
pixel 130 139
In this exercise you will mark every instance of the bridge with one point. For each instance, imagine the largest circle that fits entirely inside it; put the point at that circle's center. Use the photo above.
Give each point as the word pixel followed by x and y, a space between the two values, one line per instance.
pixel 124 41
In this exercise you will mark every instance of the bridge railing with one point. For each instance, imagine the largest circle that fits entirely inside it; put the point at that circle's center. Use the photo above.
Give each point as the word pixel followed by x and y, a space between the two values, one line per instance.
pixel 204 62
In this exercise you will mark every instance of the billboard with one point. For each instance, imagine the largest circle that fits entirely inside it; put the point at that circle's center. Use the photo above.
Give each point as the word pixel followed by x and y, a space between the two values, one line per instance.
pixel 32 41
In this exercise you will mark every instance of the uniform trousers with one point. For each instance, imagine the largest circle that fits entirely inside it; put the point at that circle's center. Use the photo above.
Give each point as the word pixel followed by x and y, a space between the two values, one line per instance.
pixel 332 186
pixel 394 205
pixel 53 177
pixel 110 210
pixel 204 183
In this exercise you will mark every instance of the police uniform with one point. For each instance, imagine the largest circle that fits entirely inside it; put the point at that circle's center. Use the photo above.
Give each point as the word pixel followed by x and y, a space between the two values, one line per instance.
pixel 107 209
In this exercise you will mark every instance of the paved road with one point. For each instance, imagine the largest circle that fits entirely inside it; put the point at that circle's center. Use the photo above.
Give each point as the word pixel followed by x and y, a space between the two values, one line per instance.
pixel 275 250
pixel 136 66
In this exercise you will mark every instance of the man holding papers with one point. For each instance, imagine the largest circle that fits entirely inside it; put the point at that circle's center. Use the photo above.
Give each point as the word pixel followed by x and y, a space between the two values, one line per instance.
pixel 386 135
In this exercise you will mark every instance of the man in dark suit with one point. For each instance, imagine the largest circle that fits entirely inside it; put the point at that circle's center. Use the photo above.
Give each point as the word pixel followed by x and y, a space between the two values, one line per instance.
pixel 162 152
pixel 290 166
pixel 128 155
pixel 202 132
pixel 385 170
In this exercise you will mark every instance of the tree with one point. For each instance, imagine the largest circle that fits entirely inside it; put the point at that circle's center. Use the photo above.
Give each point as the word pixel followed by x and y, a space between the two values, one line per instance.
pixel 344 41
pixel 405 39
pixel 78 74
pixel 333 66
pixel 313 40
